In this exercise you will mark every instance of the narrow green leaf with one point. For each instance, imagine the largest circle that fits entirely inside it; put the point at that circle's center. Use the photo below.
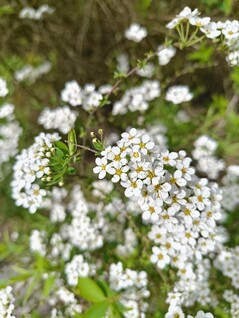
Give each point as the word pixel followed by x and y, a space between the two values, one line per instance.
pixel 20 270
pixel 105 287
pixel 89 290
pixel 97 310
pixel 30 288
pixel 72 142
pixel 19 278
pixel 48 285
pixel 227 6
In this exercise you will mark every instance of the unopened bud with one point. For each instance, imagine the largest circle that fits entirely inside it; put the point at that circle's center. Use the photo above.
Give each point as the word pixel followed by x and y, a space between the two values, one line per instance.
pixel 100 131
pixel 92 134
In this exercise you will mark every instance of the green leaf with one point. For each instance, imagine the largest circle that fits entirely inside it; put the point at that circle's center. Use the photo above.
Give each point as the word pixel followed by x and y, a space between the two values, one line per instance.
pixel 71 170
pixel 203 54
pixel 119 75
pixel 89 290
pixel 97 310
pixel 59 153
pixel 6 10
pixel 221 313
pixel 72 142
pixel 48 285
pixel 98 144
pixel 59 144
pixel 120 307
pixel 30 288
pixel 20 270
pixel 143 4
pixel 105 287
pixel 227 6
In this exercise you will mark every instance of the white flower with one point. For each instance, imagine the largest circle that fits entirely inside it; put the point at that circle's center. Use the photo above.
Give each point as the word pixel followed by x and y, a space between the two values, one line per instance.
pixel 178 94
pixel 211 31
pixel 157 234
pixel 123 63
pixel 130 137
pixel 165 54
pixel 72 93
pixel 145 144
pixel 133 188
pixel 6 302
pixel 199 22
pixel 231 30
pixel 118 171
pixel 31 73
pixel 175 312
pixel 189 213
pixel 35 14
pixel 168 158
pixel 151 211
pixel 233 58
pixel 159 257
pixel 77 267
pixel 177 179
pixel 185 15
pixel 3 88
pixel 146 71
pixel 135 32
pixel 61 118
pixel 101 167
pixel 202 314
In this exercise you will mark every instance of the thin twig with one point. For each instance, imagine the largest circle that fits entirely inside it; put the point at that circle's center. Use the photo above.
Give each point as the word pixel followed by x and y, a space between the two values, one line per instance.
pixel 81 146
pixel 131 72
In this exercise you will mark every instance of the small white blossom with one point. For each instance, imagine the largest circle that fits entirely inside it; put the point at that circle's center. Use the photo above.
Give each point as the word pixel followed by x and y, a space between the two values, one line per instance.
pixel 135 32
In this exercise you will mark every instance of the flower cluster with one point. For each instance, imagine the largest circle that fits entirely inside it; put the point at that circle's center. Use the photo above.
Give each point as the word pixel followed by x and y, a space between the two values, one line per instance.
pixel 123 63
pixel 146 71
pixel 182 208
pixel 31 73
pixel 230 188
pixel 80 231
pixel 227 262
pixel 204 153
pixel 135 32
pixel 177 312
pixel 6 303
pixel 36 242
pixel 233 299
pixel 3 87
pixel 61 118
pixel 10 132
pixel 77 268
pixel 67 298
pixel 88 97
pixel 228 30
pixel 55 204
pixel 129 245
pixel 193 286
pixel 133 287
pixel 137 98
pixel 165 54
pixel 35 14
pixel 178 94
pixel 32 167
